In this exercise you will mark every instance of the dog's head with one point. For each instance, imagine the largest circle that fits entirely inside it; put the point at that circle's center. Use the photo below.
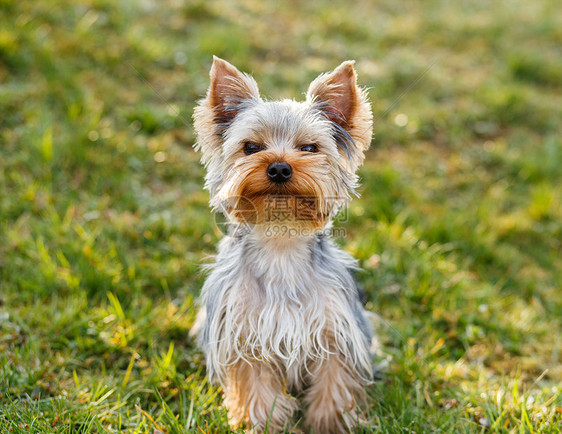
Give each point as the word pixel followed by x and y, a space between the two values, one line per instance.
pixel 266 156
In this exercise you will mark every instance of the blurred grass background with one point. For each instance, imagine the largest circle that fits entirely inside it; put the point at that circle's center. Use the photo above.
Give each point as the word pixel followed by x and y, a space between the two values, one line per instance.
pixel 104 223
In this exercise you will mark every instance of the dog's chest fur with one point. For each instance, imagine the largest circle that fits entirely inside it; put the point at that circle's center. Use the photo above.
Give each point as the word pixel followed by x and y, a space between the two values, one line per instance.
pixel 288 302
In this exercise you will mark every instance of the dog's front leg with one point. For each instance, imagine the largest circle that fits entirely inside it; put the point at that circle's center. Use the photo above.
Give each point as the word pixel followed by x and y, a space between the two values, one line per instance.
pixel 256 396
pixel 334 394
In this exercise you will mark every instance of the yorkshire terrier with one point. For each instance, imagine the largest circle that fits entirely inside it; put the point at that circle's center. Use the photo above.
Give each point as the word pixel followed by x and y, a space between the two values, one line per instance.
pixel 281 317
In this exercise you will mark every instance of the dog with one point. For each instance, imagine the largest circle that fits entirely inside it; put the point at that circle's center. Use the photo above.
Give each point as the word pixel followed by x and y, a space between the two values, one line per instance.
pixel 281 321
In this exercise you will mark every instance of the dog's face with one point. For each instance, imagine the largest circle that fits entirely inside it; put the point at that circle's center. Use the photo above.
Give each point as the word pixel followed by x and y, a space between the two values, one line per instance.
pixel 272 159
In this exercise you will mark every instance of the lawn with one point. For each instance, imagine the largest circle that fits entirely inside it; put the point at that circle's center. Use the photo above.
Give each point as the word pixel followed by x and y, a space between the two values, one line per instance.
pixel 104 224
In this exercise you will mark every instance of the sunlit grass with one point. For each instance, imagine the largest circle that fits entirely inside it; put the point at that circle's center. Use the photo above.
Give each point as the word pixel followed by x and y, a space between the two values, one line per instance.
pixel 104 223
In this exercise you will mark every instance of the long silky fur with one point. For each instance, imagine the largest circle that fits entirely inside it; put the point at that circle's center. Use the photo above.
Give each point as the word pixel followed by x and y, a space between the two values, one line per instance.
pixel 284 306
pixel 281 306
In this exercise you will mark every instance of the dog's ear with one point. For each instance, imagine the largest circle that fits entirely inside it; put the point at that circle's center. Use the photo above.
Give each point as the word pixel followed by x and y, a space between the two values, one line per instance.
pixel 229 92
pixel 338 97
pixel 229 89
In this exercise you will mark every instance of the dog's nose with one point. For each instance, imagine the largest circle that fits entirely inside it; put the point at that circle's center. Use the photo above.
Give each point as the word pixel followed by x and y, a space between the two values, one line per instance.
pixel 279 172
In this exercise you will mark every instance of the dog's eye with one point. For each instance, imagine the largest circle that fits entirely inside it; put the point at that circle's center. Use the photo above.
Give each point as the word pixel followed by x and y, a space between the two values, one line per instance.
pixel 252 148
pixel 309 148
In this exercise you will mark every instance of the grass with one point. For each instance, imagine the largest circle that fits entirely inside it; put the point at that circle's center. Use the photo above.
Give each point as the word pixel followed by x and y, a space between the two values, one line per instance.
pixel 104 223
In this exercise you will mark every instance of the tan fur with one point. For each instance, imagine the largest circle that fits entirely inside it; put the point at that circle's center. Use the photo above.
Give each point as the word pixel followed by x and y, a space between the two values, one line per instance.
pixel 252 198
pixel 333 397
pixel 256 396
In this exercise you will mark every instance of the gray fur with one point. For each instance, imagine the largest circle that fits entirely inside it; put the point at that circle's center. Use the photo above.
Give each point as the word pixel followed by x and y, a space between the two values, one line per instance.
pixel 262 303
